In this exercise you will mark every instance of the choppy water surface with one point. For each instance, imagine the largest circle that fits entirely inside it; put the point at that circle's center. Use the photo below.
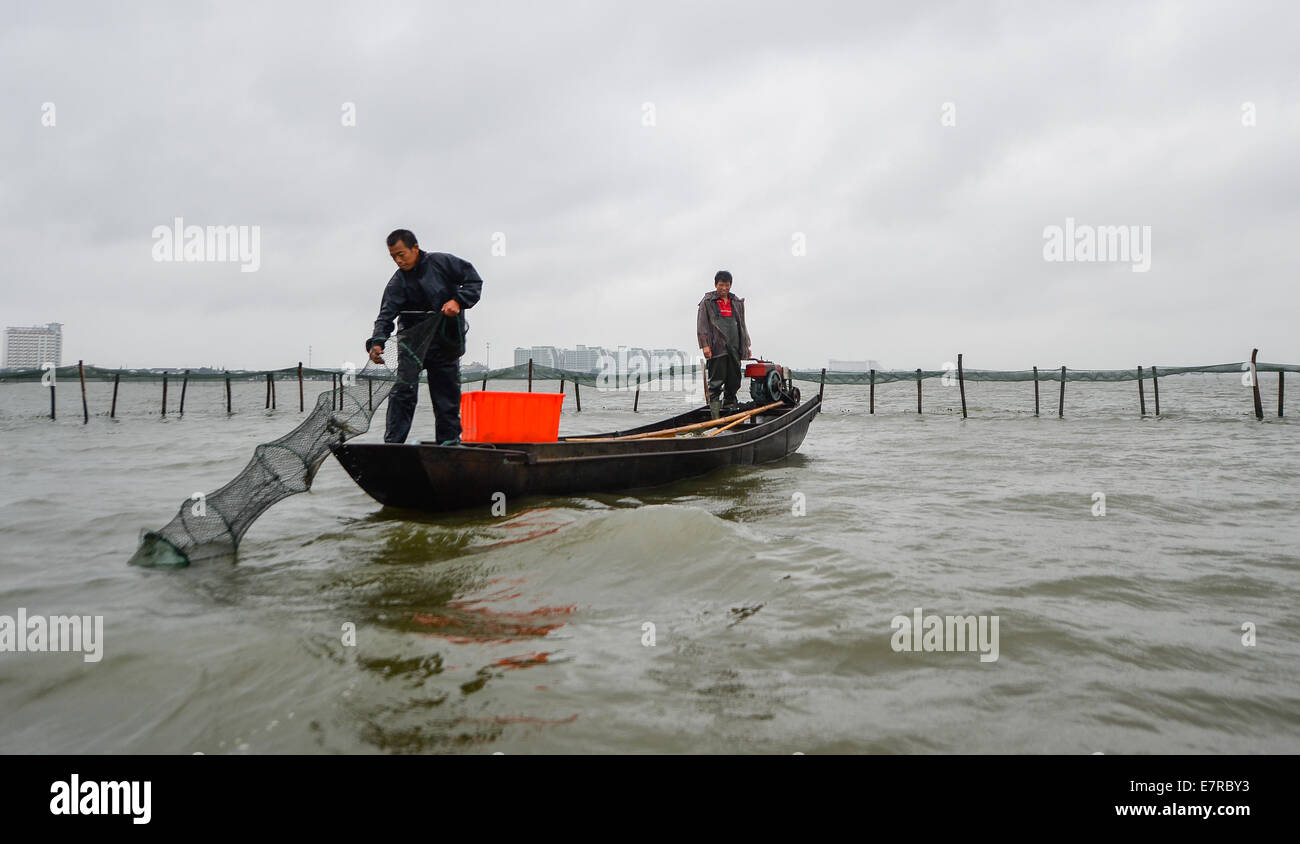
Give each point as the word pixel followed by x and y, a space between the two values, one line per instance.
pixel 1119 633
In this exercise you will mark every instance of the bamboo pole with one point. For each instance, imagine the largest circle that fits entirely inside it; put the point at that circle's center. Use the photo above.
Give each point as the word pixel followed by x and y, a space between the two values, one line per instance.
pixel 530 375
pixel 873 391
pixel 1142 399
pixel 1035 391
pixel 268 391
pixel 730 425
pixel 822 388
pixel 228 393
pixel 272 377
pixel 185 384
pixel 1155 387
pixel 112 413
pixel 636 400
pixel 577 396
pixel 85 410
pixel 961 383
pixel 52 416
pixel 300 404
pixel 164 403
pixel 918 390
pixel 670 432
pixel 1060 410
pixel 1254 381
pixel 1281 383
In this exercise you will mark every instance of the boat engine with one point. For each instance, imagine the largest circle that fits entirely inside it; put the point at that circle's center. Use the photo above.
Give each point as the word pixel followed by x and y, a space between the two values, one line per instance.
pixel 770 382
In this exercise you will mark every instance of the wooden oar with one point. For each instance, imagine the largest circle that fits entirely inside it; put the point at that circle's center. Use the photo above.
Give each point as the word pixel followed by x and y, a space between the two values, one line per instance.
pixel 682 429
pixel 747 415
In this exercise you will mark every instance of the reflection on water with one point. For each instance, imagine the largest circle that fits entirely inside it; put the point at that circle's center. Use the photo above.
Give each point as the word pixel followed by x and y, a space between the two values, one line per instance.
pixel 411 590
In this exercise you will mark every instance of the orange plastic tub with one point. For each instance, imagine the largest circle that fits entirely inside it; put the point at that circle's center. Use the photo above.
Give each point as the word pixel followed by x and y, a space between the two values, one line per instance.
pixel 510 417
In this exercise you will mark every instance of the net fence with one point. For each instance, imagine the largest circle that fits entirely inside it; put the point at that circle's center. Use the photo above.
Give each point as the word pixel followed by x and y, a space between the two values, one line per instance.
pixel 635 376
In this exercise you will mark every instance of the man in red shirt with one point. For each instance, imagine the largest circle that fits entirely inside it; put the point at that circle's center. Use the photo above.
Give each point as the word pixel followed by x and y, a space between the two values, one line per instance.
pixel 724 340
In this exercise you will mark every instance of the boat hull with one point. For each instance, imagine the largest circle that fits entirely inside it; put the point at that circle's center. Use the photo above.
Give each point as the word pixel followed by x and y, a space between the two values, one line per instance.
pixel 430 477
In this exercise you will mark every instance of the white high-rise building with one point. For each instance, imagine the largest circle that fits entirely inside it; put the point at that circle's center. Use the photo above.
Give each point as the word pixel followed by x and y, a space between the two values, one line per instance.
pixel 30 348
pixel 541 356
pixel 583 358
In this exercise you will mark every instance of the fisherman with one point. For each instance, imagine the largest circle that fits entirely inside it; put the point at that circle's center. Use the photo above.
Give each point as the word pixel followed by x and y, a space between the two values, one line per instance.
pixel 425 283
pixel 724 339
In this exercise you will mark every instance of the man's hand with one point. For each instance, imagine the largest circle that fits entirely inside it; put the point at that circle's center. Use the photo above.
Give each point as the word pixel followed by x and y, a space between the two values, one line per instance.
pixel 451 308
pixel 707 353
pixel 376 353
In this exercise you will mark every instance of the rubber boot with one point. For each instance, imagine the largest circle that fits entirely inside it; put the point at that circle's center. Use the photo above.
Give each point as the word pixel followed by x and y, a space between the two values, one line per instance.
pixel 715 408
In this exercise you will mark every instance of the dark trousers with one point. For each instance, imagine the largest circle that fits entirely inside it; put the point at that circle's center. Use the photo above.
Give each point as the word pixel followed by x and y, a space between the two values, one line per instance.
pixel 444 392
pixel 724 377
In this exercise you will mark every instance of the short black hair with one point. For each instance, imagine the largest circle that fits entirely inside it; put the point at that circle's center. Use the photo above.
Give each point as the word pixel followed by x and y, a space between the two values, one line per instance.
pixel 722 275
pixel 405 236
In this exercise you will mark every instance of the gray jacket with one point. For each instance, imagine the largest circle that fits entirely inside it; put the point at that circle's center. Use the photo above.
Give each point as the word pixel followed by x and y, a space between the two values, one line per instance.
pixel 707 331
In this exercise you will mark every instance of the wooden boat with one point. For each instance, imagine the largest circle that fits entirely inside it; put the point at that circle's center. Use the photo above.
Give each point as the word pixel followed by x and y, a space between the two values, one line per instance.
pixel 427 476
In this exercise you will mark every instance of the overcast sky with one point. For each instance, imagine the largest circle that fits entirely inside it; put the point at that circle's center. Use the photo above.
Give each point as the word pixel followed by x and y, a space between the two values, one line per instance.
pixel 767 123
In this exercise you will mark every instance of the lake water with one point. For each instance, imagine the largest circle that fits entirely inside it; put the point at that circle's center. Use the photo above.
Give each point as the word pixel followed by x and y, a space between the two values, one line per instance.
pixel 772 590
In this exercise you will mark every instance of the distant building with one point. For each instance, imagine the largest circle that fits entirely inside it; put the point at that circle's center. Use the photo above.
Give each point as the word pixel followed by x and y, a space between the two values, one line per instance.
pixel 583 358
pixel 593 358
pixel 30 348
pixel 540 355
pixel 853 366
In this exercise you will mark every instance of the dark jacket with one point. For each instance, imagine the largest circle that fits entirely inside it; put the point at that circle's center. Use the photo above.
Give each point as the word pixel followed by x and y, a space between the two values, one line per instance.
pixel 436 278
pixel 709 334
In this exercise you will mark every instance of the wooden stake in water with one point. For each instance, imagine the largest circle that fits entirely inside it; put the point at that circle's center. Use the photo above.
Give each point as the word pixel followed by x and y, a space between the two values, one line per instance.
pixel 530 375
pixel 85 411
pixel 300 405
pixel 918 390
pixel 1060 410
pixel 873 391
pixel 636 400
pixel 112 413
pixel 164 405
pixel 1035 391
pixel 227 394
pixel 577 396
pixel 1254 382
pixel 822 388
pixel 185 384
pixel 961 383
pixel 1142 399
pixel 1155 387
pixel 1280 384
pixel 272 377
pixel 268 391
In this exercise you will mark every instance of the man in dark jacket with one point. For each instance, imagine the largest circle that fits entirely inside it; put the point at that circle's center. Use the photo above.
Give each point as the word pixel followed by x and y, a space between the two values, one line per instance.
pixel 724 339
pixel 425 283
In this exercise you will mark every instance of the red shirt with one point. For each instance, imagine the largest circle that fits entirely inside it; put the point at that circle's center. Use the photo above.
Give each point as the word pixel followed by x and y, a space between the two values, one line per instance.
pixel 724 307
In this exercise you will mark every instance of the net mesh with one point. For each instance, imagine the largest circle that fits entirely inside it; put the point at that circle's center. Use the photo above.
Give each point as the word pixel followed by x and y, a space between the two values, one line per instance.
pixel 214 524
pixel 884 376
